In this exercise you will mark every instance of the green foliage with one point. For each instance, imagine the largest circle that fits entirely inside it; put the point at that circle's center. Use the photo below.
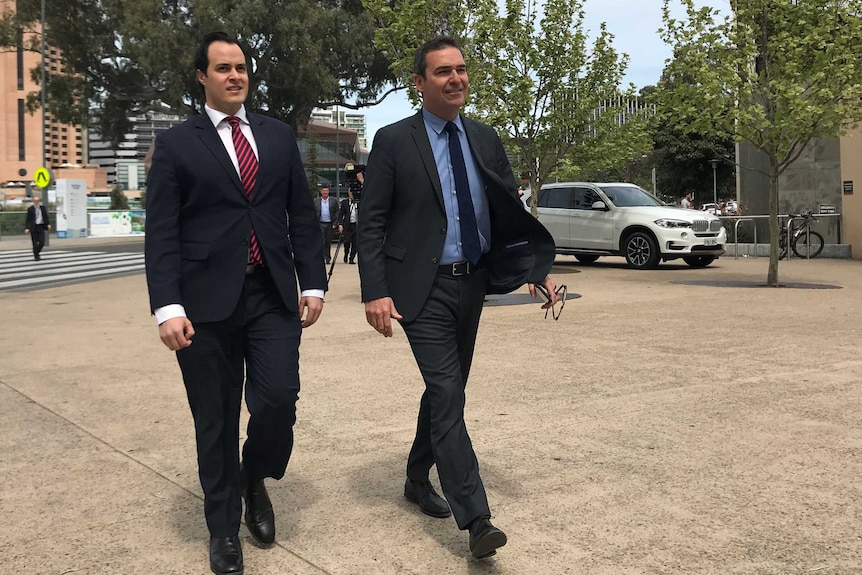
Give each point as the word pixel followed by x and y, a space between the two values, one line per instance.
pixel 119 201
pixel 776 74
pixel 533 76
pixel 123 57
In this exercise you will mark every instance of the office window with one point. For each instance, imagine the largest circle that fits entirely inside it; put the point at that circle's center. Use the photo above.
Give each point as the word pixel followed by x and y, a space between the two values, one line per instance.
pixel 20 46
pixel 21 148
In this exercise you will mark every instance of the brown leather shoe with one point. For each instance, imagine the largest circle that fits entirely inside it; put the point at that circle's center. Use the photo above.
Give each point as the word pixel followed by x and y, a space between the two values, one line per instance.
pixel 422 494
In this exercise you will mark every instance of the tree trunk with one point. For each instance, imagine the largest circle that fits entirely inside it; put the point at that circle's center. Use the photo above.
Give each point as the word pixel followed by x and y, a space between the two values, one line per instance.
pixel 534 196
pixel 772 277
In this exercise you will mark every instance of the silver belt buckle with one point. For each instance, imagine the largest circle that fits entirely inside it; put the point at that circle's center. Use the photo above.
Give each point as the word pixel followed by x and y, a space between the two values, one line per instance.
pixel 464 268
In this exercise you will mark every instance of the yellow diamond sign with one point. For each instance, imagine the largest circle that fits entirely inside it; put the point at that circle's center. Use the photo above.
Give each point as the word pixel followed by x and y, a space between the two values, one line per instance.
pixel 42 177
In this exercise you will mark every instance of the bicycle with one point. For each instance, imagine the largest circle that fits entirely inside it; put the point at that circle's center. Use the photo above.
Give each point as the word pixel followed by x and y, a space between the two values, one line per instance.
pixel 805 242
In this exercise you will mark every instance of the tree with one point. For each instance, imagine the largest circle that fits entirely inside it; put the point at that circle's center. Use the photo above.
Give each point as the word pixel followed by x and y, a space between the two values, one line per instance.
pixel 119 201
pixel 554 100
pixel 120 58
pixel 776 73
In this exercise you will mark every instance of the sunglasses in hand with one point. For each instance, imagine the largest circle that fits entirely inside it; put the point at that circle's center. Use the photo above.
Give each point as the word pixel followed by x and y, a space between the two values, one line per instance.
pixel 561 292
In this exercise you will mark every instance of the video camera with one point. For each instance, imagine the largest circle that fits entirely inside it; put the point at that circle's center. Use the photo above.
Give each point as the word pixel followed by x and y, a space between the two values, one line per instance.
pixel 354 182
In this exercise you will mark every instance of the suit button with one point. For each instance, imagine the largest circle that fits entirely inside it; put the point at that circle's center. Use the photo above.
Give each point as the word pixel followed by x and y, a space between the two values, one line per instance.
pixel 245 242
pixel 434 260
pixel 443 231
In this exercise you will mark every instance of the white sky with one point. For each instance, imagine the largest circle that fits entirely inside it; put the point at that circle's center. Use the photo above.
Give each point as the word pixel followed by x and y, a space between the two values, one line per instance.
pixel 634 24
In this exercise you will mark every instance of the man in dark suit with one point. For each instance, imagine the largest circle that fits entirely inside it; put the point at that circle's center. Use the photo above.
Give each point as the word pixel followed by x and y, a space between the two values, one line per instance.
pixel 36 225
pixel 326 209
pixel 230 229
pixel 348 216
pixel 441 226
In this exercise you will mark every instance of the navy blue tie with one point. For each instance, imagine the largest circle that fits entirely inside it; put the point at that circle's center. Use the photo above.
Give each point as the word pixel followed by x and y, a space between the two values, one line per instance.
pixel 467 215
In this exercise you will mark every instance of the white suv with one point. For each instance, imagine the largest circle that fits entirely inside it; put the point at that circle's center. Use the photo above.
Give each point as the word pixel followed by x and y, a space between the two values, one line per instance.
pixel 589 220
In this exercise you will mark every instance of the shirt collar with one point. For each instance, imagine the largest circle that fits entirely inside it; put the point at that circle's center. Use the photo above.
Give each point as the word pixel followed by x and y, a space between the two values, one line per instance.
pixel 217 117
pixel 437 123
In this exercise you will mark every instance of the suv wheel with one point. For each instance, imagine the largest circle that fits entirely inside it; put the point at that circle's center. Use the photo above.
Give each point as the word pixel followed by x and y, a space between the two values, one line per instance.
pixel 641 251
pixel 586 259
pixel 699 261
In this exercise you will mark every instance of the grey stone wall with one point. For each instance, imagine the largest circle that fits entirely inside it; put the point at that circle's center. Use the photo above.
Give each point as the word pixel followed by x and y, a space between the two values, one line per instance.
pixel 813 180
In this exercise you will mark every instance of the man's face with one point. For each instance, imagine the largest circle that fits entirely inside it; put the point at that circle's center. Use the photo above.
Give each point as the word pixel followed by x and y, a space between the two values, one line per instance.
pixel 36 200
pixel 226 80
pixel 324 193
pixel 444 86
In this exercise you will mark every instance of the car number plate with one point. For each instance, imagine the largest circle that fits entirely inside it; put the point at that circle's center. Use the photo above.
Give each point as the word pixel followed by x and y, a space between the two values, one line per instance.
pixel 710 241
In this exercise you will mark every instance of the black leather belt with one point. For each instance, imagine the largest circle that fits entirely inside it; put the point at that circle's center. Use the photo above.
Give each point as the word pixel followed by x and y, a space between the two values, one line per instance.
pixel 458 269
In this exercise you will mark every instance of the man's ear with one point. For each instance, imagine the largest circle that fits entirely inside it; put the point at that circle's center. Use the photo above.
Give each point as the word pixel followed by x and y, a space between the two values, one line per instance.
pixel 202 78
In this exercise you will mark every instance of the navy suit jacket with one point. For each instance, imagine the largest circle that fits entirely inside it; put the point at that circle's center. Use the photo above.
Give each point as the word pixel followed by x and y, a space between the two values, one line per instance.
pixel 403 225
pixel 199 219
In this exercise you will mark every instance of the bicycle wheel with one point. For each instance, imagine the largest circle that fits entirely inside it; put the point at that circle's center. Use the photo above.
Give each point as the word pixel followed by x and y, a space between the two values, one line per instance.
pixel 810 249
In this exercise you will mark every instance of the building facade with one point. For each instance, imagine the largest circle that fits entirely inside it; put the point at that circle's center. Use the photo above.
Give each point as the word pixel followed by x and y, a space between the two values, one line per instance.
pixel 125 163
pixel 21 135
pixel 350 120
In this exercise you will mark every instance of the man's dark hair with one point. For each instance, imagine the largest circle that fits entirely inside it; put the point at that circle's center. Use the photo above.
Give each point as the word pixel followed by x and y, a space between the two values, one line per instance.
pixel 438 43
pixel 202 60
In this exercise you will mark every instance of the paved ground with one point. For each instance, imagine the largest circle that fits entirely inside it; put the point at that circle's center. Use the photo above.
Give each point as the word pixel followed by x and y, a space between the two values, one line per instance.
pixel 656 428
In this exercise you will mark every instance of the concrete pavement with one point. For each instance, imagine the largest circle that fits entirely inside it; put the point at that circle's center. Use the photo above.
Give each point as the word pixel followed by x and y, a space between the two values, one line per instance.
pixel 656 428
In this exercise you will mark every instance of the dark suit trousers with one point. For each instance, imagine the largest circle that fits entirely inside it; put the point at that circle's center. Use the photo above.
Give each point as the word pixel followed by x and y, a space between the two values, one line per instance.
pixel 263 335
pixel 442 338
pixel 326 231
pixel 37 237
pixel 349 240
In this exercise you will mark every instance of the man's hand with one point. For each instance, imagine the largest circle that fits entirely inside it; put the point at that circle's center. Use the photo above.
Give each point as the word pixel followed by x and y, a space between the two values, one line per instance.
pixel 26 230
pixel 379 312
pixel 310 307
pixel 340 229
pixel 551 288
pixel 176 333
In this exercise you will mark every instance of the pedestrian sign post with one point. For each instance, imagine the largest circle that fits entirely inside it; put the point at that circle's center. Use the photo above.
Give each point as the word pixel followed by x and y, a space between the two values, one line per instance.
pixel 43 177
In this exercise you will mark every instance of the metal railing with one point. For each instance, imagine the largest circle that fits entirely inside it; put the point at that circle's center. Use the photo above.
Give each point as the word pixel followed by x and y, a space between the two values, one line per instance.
pixel 781 217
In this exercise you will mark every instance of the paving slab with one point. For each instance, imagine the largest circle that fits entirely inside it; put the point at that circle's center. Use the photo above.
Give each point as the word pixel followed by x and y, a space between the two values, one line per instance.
pixel 657 427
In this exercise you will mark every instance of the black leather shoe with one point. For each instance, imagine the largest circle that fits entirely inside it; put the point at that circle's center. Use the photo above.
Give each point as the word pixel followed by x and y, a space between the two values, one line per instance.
pixel 353 262
pixel 422 494
pixel 345 260
pixel 485 538
pixel 259 517
pixel 226 555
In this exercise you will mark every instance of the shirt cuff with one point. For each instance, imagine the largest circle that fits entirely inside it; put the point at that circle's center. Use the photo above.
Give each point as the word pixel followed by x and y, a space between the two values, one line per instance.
pixel 169 311
pixel 312 293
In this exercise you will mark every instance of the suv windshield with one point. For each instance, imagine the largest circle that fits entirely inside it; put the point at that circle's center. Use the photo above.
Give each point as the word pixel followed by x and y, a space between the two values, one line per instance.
pixel 630 196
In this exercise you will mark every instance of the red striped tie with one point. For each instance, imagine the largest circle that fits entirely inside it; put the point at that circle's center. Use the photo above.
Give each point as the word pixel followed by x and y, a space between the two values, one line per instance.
pixel 248 174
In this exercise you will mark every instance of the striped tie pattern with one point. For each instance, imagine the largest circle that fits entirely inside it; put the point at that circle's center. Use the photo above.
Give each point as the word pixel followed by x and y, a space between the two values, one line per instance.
pixel 248 168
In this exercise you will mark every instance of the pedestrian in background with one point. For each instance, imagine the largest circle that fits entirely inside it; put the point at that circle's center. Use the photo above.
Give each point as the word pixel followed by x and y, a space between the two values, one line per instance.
pixel 327 214
pixel 36 225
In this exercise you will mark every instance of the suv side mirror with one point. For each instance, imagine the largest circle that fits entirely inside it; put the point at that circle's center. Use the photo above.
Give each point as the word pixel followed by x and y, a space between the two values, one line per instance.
pixel 599 205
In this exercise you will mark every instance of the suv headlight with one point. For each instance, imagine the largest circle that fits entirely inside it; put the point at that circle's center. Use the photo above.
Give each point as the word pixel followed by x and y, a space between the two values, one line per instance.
pixel 669 223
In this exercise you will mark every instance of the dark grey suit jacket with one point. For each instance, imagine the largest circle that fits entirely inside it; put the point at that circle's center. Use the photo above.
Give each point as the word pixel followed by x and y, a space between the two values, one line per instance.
pixel 403 225
pixel 199 219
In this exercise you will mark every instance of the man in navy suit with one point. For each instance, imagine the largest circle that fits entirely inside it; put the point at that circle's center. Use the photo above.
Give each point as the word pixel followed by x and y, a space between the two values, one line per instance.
pixel 36 225
pixel 442 226
pixel 231 227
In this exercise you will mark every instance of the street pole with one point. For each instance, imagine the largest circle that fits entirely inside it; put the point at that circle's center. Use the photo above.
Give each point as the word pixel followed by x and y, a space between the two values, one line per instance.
pixel 714 163
pixel 653 181
pixel 337 158
pixel 44 143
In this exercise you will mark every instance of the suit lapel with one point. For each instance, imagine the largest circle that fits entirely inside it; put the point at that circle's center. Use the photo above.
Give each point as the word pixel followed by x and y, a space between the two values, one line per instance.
pixel 210 138
pixel 423 145
pixel 475 140
pixel 265 153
